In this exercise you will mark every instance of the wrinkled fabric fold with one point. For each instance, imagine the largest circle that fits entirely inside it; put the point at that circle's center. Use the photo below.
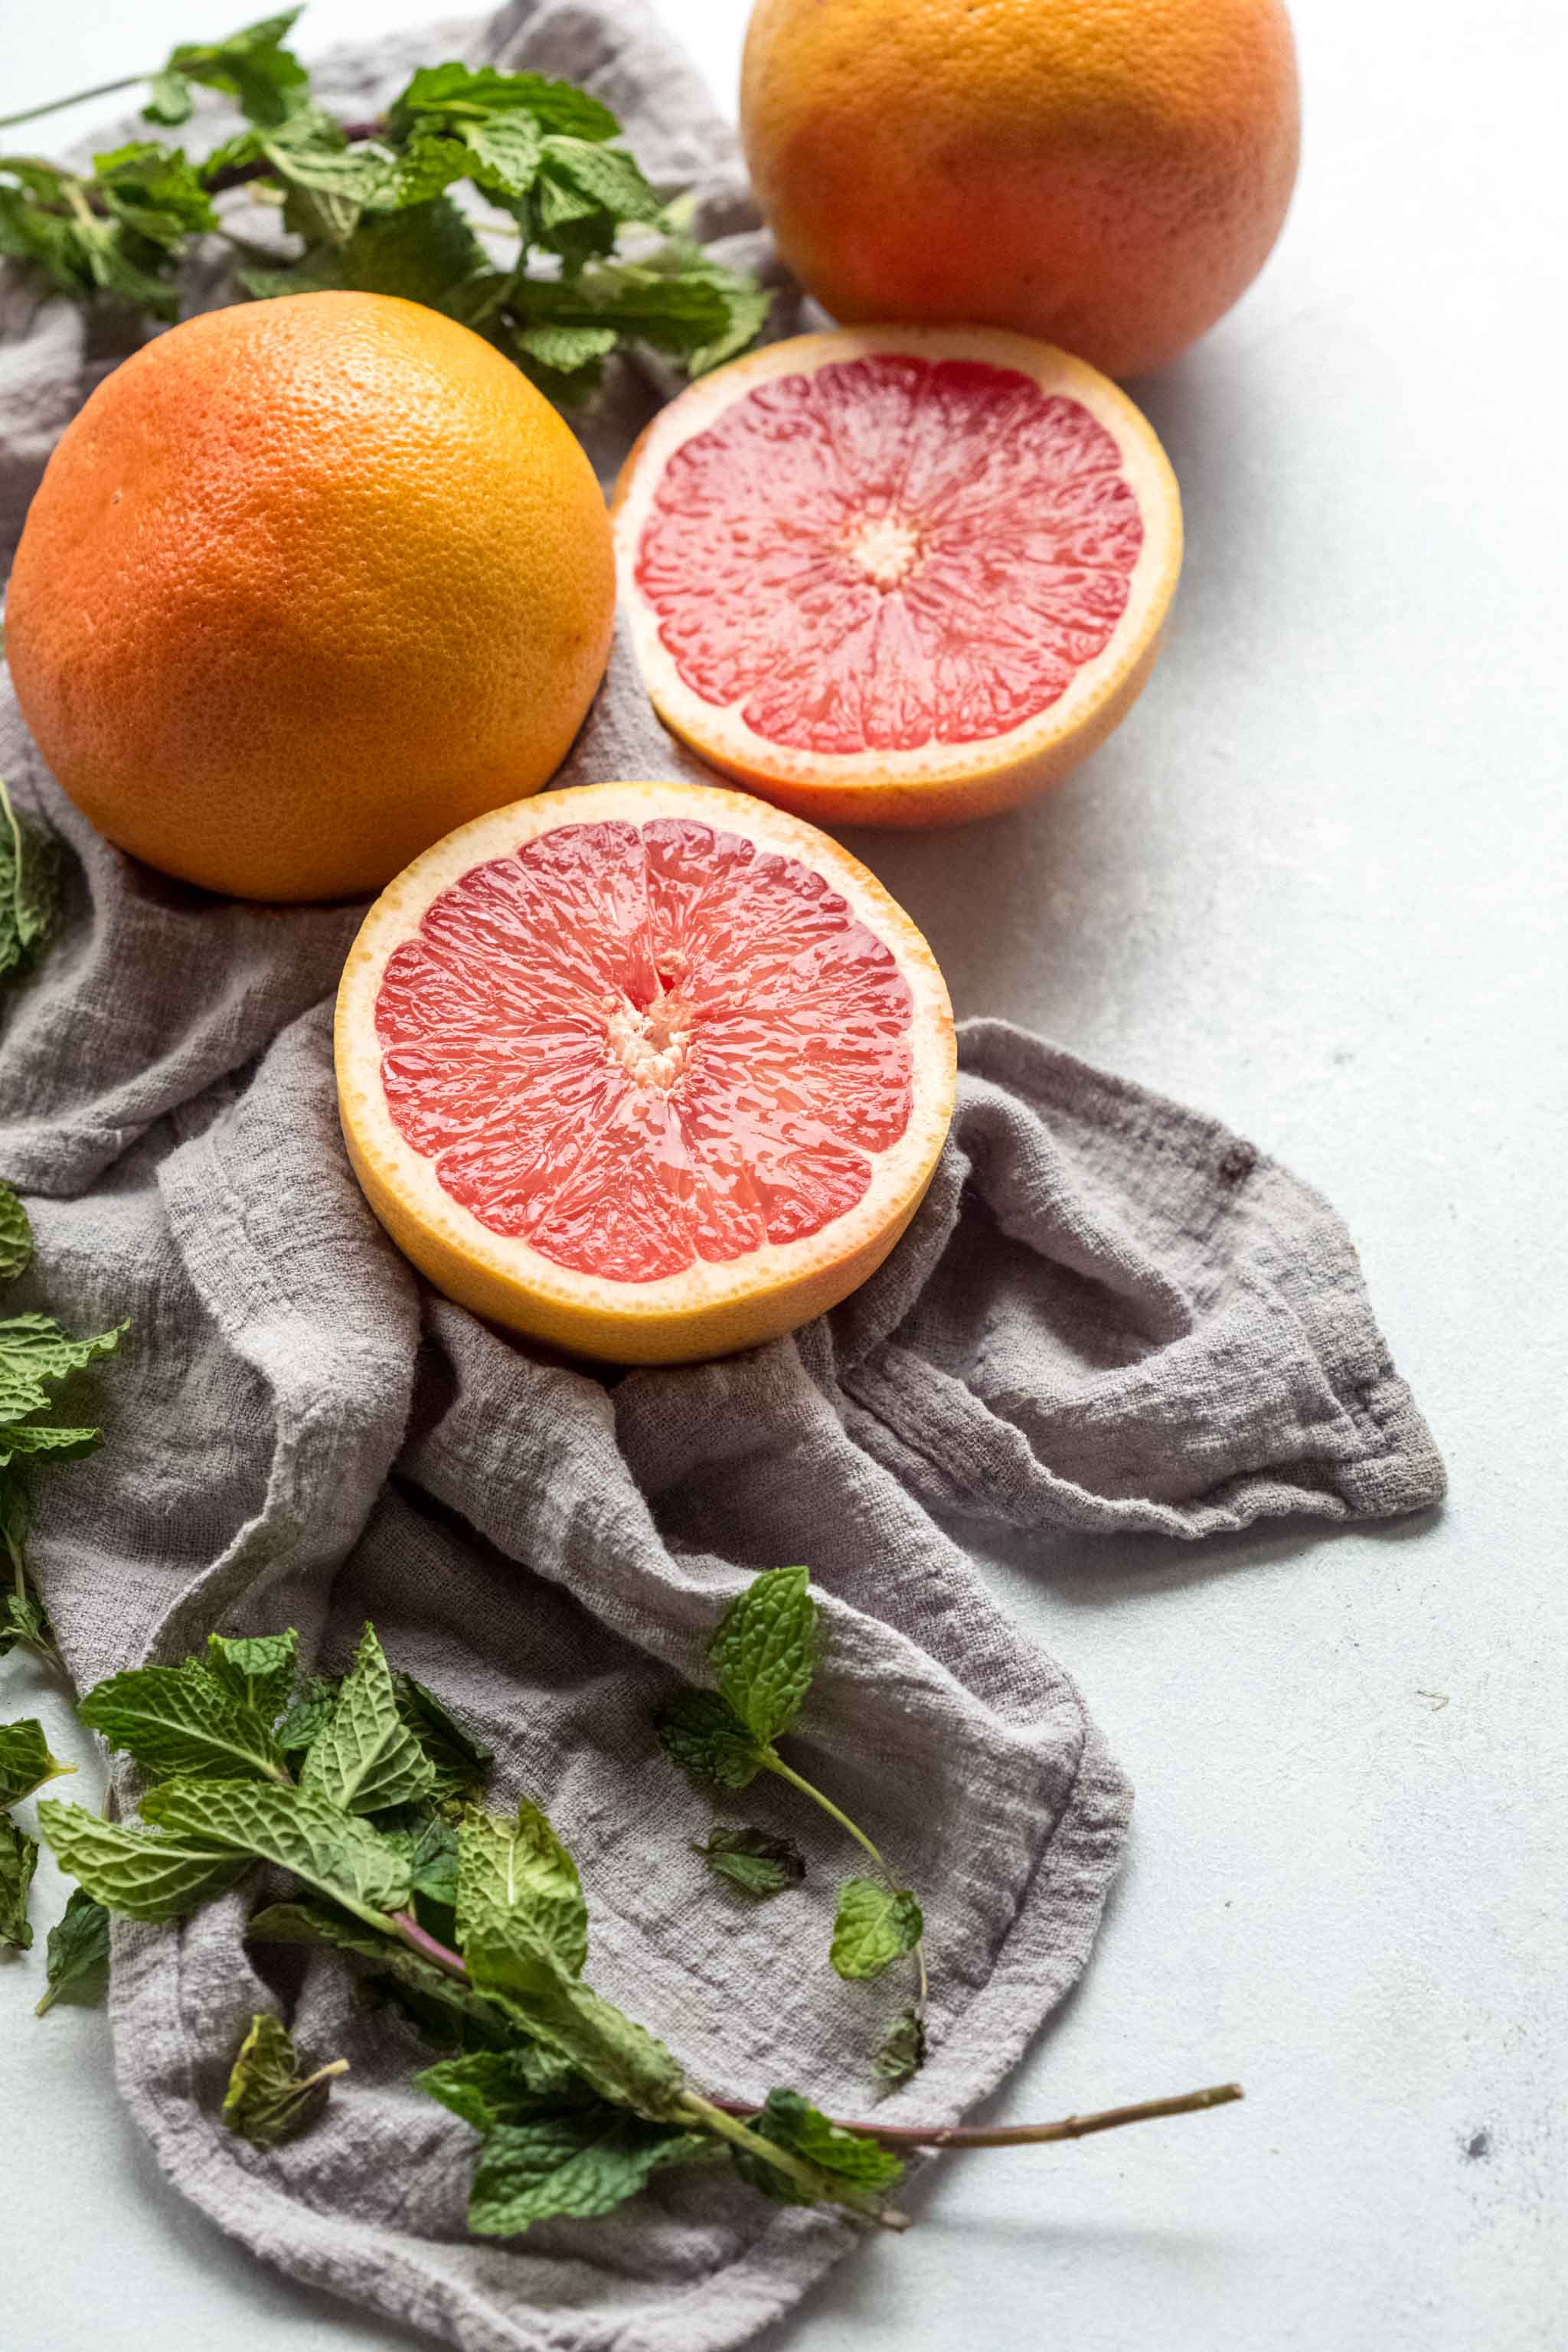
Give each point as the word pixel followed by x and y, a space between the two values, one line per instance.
pixel 1111 1313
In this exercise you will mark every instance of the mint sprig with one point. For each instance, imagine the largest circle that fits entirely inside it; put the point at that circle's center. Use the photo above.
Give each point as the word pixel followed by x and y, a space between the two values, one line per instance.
pixel 270 2097
pixel 578 257
pixel 763 1656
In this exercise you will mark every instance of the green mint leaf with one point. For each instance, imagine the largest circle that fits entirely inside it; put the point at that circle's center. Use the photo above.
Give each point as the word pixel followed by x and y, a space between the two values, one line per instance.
pixel 252 67
pixel 516 1878
pixel 168 100
pixel 270 2098
pixel 620 2060
pixel 144 1875
pixel 312 1710
pixel 458 94
pixel 18 1860
pixel 672 314
pixel 26 1763
pixel 757 1864
pixel 876 1926
pixel 426 167
pixel 155 192
pixel 424 253
pixel 607 178
pixel 44 1437
pixel 367 1759
pixel 504 152
pixel 29 859
pixel 580 2160
pixel 446 2013
pixel 433 1862
pixel 16 1235
pixel 314 1923
pixel 765 1650
pixel 461 1762
pixel 184 1720
pixel 903 2054
pixel 565 350
pixel 701 1734
pixel 257 1669
pixel 78 1948
pixel 792 2122
pixel 34 1350
pixel 298 1829
pixel 491 2087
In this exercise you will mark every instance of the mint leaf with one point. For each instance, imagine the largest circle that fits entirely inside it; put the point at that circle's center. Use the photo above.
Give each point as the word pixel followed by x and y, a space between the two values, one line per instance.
pixel 18 1860
pixel 765 1650
pixel 312 1710
pixel 491 2087
pixel 504 152
pixel 313 1923
pixel 457 94
pixel 24 1760
pixel 29 860
pixel 578 2160
pixel 297 1829
pixel 757 1864
pixel 701 1734
pixel 876 1924
pixel 565 350
pixel 903 2052
pixel 16 1235
pixel 78 1947
pixel 606 177
pixel 144 1875
pixel 367 1759
pixel 251 66
pixel 445 2013
pixel 432 1861
pixel 168 100
pixel 269 2096
pixel 34 1350
pixel 184 1720
pixel 155 192
pixel 461 1762
pixel 516 1877
pixel 792 2122
pixel 257 1669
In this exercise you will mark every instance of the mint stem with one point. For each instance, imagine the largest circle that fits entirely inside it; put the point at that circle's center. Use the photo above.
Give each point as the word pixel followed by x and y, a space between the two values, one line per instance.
pixel 76 97
pixel 713 2116
pixel 1186 2102
pixel 403 1925
pixel 774 1762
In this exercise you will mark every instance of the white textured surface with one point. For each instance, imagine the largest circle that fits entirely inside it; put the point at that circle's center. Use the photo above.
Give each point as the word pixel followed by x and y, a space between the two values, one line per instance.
pixel 1316 886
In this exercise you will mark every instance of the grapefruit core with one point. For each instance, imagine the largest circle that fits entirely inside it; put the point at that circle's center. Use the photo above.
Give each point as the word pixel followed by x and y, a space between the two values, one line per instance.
pixel 897 575
pixel 649 1071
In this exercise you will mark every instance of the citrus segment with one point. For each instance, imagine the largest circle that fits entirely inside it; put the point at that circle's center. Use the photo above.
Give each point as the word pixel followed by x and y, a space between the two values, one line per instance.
pixel 646 1070
pixel 898 575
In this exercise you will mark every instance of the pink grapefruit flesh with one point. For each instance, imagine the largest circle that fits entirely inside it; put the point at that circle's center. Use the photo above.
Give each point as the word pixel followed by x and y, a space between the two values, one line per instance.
pixel 649 1070
pixel 898 575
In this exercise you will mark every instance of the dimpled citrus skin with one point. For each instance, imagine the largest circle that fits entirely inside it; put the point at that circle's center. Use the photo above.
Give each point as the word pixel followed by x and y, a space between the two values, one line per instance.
pixel 307 584
pixel 1107 175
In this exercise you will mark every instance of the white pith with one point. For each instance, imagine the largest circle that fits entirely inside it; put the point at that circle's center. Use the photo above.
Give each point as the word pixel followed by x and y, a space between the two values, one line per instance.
pixel 898 1175
pixel 887 548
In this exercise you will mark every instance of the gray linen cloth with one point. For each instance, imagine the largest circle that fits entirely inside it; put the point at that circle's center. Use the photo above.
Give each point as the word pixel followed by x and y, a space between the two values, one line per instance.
pixel 1111 1313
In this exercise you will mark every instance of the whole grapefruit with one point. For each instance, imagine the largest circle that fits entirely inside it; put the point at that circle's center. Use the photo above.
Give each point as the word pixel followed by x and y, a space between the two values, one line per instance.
pixel 306 583
pixel 1106 174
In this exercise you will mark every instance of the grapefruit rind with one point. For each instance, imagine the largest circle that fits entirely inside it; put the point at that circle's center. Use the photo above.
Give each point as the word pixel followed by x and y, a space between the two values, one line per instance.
pixel 937 783
pixel 710 1309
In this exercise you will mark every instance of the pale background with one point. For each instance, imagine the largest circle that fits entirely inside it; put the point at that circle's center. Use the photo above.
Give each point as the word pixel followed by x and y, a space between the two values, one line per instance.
pixel 1315 885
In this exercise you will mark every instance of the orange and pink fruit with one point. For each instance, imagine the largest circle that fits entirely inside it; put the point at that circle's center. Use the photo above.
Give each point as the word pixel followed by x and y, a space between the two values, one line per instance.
pixel 648 1071
pixel 897 575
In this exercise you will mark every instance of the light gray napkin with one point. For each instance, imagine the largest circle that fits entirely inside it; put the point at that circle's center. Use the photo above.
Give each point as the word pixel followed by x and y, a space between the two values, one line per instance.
pixel 1109 1314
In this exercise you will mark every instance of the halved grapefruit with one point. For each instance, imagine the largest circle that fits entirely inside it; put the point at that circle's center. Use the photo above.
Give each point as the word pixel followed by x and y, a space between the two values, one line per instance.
pixel 650 1071
pixel 898 575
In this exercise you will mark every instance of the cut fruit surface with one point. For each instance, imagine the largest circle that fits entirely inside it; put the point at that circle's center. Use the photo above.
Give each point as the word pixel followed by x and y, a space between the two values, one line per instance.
pixel 651 1071
pixel 900 575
